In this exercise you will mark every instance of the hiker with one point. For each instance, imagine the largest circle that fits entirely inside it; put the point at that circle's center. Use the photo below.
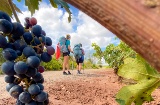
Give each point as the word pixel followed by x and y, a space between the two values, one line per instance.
pixel 80 60
pixel 66 56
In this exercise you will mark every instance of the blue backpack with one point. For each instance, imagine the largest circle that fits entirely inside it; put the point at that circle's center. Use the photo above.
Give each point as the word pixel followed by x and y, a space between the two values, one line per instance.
pixel 77 51
pixel 62 44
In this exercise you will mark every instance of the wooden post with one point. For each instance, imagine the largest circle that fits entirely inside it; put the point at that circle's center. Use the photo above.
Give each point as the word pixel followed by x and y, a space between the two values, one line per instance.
pixel 136 22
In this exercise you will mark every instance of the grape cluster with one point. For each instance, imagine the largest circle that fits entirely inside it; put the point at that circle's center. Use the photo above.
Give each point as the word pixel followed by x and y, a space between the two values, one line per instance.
pixel 24 48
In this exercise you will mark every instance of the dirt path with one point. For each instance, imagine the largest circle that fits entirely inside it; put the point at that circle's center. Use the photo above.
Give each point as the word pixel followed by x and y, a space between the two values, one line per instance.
pixel 94 87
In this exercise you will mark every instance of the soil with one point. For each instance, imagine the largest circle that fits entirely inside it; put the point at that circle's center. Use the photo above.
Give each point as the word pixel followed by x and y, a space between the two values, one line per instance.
pixel 94 87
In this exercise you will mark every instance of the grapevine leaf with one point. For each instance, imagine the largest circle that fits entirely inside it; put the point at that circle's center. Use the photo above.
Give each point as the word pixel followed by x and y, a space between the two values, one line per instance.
pixel 19 0
pixel 4 6
pixel 53 4
pixel 65 6
pixel 32 5
pixel 147 81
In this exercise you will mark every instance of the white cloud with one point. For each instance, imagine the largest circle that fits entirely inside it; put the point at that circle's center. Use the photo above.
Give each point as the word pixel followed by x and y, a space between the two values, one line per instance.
pixel 82 28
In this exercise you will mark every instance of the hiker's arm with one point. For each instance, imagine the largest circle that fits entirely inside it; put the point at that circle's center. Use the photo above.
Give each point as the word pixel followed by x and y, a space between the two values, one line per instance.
pixel 69 48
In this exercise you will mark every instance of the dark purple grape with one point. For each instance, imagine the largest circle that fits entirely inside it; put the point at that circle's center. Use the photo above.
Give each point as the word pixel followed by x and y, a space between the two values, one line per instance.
pixel 27 37
pixel 31 103
pixel 36 30
pixel 42 39
pixel 43 32
pixel 9 45
pixel 36 41
pixel 41 97
pixel 29 51
pixel 48 41
pixel 40 81
pixel 50 50
pixel 5 26
pixel 9 79
pixel 41 69
pixel 25 97
pixel 3 41
pixel 18 102
pixel 15 91
pixel 4 15
pixel 19 53
pixel 40 86
pixel 9 86
pixel 45 57
pixel 20 67
pixel 20 45
pixel 18 29
pixel 37 77
pixel 46 102
pixel 9 54
pixel 31 72
pixel 8 68
pixel 34 89
pixel 33 61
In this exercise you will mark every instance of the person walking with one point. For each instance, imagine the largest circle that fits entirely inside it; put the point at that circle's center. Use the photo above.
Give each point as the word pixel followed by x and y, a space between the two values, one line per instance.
pixel 66 56
pixel 80 61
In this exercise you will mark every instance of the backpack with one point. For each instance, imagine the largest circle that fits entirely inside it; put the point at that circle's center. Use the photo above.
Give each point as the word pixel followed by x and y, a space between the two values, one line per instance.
pixel 77 51
pixel 62 44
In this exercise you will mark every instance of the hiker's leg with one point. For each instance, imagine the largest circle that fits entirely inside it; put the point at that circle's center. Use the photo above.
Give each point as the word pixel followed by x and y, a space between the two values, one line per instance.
pixel 80 66
pixel 67 62
pixel 64 62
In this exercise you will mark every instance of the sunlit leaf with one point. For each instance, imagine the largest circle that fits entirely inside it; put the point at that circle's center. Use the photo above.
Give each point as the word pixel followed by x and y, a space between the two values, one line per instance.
pixel 147 81
pixel 32 5
pixel 19 0
pixel 53 4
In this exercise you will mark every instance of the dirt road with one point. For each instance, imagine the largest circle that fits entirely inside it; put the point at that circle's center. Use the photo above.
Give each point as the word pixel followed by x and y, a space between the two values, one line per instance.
pixel 94 87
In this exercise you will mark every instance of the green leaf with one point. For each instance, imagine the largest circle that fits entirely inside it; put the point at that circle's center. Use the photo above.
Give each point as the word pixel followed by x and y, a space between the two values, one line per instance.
pixel 19 0
pixel 32 5
pixel 65 6
pixel 53 4
pixel 146 77
pixel 4 6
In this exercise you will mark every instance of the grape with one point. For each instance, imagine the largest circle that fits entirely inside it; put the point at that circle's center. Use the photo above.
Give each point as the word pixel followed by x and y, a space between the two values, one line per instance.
pixel 45 57
pixel 34 89
pixel 41 97
pixel 19 53
pixel 40 81
pixel 33 21
pixel 50 50
pixel 3 15
pixel 9 86
pixel 29 51
pixel 40 86
pixel 20 67
pixel 9 45
pixel 23 52
pixel 3 41
pixel 33 61
pixel 5 26
pixel 43 32
pixel 25 97
pixel 37 77
pixel 20 44
pixel 36 30
pixel 31 103
pixel 18 29
pixel 9 79
pixel 18 102
pixel 8 68
pixel 41 69
pixel 48 41
pixel 31 72
pixel 27 37
pixel 9 54
pixel 36 41
pixel 15 91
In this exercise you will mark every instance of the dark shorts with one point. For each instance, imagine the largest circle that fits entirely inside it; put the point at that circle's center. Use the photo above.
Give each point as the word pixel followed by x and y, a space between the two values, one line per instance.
pixel 66 54
pixel 80 60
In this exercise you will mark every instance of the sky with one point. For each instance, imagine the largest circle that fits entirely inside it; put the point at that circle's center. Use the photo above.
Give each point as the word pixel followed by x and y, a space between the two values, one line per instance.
pixel 82 28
